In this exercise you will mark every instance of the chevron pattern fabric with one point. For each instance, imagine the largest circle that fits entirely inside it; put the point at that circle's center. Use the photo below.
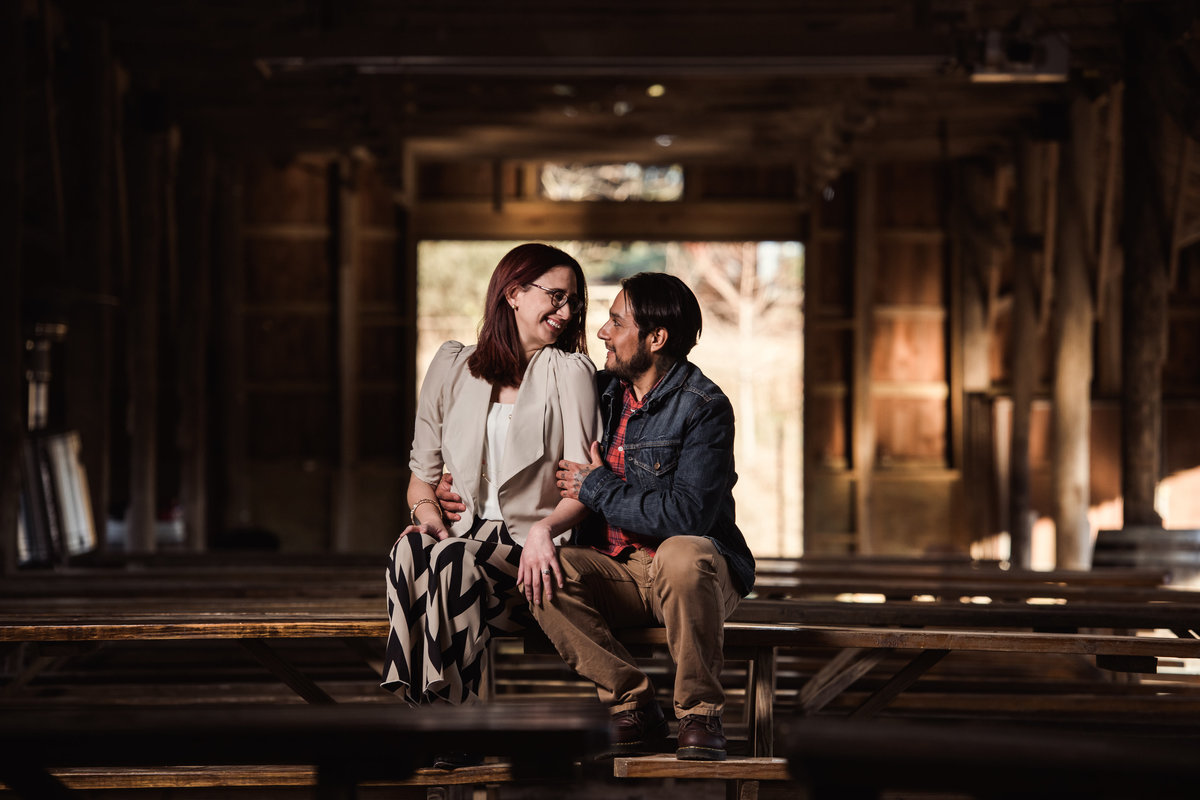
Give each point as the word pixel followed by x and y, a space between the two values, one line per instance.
pixel 445 600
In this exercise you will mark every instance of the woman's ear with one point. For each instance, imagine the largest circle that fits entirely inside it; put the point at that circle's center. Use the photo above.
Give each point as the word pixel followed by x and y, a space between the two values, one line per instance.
pixel 513 296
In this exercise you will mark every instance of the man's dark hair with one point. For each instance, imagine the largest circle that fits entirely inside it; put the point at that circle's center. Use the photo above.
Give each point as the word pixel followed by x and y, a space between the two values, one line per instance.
pixel 659 300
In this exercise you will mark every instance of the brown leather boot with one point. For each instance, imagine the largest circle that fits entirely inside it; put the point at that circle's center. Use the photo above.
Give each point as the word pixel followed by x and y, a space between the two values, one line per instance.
pixel 701 739
pixel 641 730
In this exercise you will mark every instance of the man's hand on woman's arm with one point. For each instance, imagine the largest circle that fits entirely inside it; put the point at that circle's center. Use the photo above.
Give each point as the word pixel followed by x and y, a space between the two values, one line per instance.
pixel 450 501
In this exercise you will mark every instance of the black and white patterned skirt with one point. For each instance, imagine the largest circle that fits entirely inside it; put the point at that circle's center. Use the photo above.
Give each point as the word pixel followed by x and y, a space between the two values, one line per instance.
pixel 445 601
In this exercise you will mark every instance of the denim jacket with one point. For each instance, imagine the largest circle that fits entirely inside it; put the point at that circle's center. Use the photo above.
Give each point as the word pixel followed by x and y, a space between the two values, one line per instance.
pixel 679 472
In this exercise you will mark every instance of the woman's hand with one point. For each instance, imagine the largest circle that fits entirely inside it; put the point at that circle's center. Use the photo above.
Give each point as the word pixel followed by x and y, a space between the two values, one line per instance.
pixel 438 532
pixel 539 570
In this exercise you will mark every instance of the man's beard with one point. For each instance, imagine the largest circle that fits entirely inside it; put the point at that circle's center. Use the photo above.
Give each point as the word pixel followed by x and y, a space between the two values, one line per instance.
pixel 639 362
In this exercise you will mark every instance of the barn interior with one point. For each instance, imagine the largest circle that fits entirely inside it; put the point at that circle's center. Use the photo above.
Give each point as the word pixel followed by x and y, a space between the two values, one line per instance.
pixel 218 220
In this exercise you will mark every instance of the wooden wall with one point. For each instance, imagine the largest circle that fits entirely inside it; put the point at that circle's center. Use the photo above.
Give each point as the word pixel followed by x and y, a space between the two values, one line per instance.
pixel 318 358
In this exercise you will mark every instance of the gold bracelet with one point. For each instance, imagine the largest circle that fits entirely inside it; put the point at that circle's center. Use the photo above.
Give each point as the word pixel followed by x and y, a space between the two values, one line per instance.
pixel 412 512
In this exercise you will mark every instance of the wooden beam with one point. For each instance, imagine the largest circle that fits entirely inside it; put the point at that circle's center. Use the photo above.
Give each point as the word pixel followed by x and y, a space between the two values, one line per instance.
pixel 539 219
pixel 12 343
pixel 1072 341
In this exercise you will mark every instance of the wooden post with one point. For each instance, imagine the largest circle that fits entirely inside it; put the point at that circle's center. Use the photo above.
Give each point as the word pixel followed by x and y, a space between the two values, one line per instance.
pixel 196 192
pixel 863 430
pixel 231 374
pixel 1146 236
pixel 976 232
pixel 146 154
pixel 347 222
pixel 406 250
pixel 1024 352
pixel 12 343
pixel 89 353
pixel 1072 331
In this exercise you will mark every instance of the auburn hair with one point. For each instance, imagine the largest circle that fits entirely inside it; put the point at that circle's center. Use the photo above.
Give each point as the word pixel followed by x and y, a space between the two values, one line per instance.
pixel 499 358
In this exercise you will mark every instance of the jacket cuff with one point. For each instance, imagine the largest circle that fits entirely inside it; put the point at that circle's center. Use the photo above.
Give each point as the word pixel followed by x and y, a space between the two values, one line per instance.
pixel 589 490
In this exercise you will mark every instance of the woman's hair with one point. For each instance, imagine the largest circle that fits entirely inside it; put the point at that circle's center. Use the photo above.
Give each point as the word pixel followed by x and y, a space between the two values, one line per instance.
pixel 659 300
pixel 499 358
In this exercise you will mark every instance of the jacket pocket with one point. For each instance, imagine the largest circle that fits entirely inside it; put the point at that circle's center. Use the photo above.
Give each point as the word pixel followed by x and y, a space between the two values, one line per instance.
pixel 657 459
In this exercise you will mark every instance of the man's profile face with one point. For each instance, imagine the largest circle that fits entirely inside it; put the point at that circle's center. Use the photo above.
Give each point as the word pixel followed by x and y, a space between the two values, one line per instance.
pixel 628 354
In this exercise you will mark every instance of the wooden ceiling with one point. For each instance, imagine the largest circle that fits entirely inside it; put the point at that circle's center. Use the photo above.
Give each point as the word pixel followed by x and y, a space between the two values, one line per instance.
pixel 812 83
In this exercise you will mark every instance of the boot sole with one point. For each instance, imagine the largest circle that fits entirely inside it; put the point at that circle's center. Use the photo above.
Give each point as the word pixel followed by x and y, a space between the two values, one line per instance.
pixel 699 754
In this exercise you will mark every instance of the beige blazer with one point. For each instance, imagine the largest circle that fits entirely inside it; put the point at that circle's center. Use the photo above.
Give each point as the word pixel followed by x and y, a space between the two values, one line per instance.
pixel 555 416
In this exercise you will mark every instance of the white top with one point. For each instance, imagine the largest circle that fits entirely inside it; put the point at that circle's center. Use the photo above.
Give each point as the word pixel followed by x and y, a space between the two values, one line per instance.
pixel 499 416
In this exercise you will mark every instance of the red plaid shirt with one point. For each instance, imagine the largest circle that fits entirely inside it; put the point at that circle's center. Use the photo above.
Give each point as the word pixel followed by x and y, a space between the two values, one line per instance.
pixel 618 540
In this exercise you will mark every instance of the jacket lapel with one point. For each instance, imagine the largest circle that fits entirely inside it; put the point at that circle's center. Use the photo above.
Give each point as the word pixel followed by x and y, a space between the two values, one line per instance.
pixel 526 443
pixel 469 427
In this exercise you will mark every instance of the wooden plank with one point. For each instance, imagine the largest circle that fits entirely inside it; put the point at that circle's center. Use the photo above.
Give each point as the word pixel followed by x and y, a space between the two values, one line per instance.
pixel 733 768
pixel 906 677
pixel 293 678
pixel 710 220
pixel 245 775
pixel 835 677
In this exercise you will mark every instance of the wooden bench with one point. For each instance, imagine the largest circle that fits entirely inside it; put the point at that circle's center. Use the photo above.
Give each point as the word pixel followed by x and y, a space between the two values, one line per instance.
pixel 257 626
pixel 221 776
pixel 346 744
pixel 740 775
pixel 835 759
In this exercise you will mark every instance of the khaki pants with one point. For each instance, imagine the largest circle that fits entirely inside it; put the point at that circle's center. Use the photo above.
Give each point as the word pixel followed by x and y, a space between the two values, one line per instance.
pixel 686 588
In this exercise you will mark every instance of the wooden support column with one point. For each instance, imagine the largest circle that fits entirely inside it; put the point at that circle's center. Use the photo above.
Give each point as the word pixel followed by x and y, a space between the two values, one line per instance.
pixel 12 343
pixel 234 492
pixel 1146 236
pixel 197 187
pixel 347 221
pixel 1024 351
pixel 89 351
pixel 146 155
pixel 978 233
pixel 406 253
pixel 1072 334
pixel 863 430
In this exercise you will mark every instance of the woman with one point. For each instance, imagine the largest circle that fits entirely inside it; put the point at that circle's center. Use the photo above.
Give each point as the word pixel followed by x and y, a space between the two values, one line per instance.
pixel 498 416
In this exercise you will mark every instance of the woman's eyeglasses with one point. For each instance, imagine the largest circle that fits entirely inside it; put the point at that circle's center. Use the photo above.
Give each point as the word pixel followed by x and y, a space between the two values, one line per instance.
pixel 559 298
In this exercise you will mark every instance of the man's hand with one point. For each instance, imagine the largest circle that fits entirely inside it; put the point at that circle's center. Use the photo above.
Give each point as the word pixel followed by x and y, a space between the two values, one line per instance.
pixel 451 503
pixel 570 474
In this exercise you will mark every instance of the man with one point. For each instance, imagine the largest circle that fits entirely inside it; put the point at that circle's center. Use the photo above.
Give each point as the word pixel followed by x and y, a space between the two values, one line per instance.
pixel 667 550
